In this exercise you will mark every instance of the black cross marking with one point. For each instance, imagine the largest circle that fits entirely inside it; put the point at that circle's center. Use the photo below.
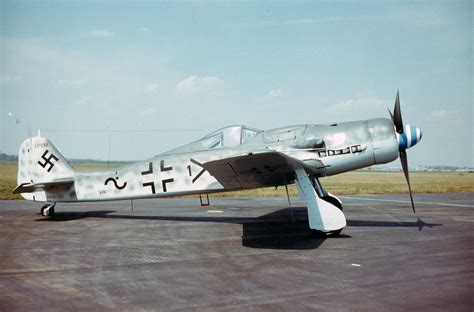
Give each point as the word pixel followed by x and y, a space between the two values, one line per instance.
pixel 152 184
pixel 47 160
pixel 146 172
pixel 150 169
pixel 163 183
pixel 163 168
pixel 200 172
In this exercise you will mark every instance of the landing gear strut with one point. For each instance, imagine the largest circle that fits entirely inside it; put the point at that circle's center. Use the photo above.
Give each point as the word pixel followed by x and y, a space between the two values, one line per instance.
pixel 48 209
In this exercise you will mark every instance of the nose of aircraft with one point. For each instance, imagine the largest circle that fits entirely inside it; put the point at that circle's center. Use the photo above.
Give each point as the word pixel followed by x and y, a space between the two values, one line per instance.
pixel 410 137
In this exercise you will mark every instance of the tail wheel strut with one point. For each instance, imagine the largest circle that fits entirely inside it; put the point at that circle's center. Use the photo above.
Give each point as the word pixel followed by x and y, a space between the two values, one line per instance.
pixel 48 209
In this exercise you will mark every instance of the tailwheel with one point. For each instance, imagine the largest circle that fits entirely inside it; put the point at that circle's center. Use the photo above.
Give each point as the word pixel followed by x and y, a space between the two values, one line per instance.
pixel 48 209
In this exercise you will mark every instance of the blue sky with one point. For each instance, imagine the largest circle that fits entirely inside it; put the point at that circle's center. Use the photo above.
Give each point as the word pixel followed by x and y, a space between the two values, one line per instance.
pixel 191 67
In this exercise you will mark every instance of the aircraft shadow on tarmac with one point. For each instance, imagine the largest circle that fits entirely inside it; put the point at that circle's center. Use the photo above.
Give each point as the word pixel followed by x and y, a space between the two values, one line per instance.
pixel 283 229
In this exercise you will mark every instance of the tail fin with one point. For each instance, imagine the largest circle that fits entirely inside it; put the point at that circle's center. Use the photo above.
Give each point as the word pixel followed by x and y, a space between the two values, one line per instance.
pixel 40 163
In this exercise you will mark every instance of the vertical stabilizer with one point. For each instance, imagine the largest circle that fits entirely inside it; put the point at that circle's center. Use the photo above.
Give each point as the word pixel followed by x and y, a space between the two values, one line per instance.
pixel 39 161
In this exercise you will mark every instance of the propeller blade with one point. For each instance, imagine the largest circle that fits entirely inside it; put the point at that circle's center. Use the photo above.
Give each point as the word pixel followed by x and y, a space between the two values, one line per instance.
pixel 404 161
pixel 397 115
pixel 391 115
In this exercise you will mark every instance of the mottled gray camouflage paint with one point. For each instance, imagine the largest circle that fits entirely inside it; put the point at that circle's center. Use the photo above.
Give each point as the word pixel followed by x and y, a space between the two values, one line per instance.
pixel 323 149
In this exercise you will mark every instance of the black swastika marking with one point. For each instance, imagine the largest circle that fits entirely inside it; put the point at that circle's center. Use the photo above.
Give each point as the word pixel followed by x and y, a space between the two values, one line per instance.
pixel 47 160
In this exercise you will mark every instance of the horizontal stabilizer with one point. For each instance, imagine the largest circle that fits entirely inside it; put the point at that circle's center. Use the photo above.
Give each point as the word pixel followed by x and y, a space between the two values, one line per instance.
pixel 42 186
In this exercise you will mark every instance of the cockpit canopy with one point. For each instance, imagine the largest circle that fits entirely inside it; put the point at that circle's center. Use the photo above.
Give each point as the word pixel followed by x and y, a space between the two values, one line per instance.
pixel 228 137
pixel 224 137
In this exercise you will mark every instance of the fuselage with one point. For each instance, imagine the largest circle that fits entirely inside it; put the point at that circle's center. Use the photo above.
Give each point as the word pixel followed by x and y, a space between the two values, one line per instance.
pixel 332 149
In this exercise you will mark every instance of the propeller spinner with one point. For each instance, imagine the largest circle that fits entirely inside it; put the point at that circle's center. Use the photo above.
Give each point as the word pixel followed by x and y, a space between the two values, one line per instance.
pixel 407 137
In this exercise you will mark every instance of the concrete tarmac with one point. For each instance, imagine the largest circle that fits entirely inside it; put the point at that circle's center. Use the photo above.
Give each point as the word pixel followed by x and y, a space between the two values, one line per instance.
pixel 238 254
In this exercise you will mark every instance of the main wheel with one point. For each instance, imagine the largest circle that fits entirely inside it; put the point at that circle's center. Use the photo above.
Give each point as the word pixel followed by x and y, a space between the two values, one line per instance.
pixel 322 234
pixel 334 233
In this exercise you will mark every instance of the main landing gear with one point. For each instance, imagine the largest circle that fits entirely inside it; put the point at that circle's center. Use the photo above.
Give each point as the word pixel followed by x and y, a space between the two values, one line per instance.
pixel 48 209
pixel 336 202
pixel 325 214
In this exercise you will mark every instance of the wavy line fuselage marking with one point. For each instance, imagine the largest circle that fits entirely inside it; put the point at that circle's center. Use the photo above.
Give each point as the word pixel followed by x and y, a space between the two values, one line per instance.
pixel 119 187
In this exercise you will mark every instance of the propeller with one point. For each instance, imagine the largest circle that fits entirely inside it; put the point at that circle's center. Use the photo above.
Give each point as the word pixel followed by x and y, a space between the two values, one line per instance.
pixel 397 115
pixel 407 136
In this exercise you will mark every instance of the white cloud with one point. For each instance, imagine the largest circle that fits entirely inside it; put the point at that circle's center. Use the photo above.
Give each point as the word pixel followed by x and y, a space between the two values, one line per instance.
pixel 361 106
pixel 147 112
pixel 152 87
pixel 71 83
pixel 143 29
pixel 425 16
pixel 362 103
pixel 319 20
pixel 10 77
pixel 101 33
pixel 443 114
pixel 83 100
pixel 300 21
pixel 199 85
pixel 273 94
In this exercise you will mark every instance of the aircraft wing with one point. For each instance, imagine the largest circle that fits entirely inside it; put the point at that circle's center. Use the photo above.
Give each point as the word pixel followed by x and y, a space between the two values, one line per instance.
pixel 259 169
pixel 42 186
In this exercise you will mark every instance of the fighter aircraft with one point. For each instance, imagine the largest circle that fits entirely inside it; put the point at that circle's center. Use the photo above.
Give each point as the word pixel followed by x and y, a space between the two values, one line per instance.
pixel 229 159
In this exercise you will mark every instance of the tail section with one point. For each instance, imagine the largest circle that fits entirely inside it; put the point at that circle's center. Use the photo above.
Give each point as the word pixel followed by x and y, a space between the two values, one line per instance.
pixel 43 173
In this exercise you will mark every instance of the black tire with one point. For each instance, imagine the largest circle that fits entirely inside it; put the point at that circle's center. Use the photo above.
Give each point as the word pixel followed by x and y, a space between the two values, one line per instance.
pixel 321 234
pixel 335 233
pixel 317 233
